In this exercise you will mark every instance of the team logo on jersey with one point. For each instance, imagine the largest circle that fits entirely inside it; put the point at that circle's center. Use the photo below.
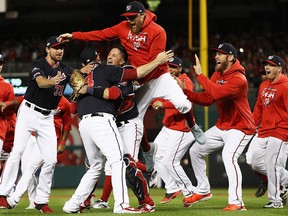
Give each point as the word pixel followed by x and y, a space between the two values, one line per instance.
pixel 63 76
pixel 268 96
pixel 139 40
pixel 221 82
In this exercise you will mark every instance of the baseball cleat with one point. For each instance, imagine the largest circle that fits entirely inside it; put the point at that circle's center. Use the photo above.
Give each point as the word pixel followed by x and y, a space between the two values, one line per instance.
pixel 262 188
pixel 145 208
pixel 169 196
pixel 128 210
pixel 283 195
pixel 233 207
pixel 3 203
pixel 150 157
pixel 274 205
pixel 100 204
pixel 43 208
pixel 194 198
pixel 198 134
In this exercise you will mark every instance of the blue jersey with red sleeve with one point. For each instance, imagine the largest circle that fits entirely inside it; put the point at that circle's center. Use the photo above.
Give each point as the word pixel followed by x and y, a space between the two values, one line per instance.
pixel 103 76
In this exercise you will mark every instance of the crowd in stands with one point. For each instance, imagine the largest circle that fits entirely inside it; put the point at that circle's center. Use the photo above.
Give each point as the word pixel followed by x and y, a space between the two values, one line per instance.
pixel 255 48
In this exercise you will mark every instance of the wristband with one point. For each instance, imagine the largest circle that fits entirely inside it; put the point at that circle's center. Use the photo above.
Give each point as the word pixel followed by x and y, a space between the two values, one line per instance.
pixel 8 103
pixel 98 92
pixel 62 142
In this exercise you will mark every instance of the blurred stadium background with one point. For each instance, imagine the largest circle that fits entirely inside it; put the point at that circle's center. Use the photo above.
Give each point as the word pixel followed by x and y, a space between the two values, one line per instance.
pixel 256 28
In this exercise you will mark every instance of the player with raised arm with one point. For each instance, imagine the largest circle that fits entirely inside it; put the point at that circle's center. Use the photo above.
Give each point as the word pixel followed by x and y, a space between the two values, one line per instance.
pixel 143 39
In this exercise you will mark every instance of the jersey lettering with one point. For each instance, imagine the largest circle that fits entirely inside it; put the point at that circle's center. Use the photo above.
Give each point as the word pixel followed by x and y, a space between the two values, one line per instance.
pixel 138 40
pixel 268 95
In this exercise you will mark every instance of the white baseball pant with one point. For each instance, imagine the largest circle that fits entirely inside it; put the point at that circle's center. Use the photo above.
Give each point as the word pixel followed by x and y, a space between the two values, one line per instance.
pixel 269 158
pixel 172 146
pixel 30 120
pixel 101 136
pixel 233 142
pixel 165 87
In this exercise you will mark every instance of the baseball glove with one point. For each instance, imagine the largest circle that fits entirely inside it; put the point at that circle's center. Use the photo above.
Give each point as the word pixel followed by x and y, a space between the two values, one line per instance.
pixel 77 81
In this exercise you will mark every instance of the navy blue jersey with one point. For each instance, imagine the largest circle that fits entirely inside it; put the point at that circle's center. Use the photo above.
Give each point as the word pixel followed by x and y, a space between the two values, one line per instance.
pixel 103 76
pixel 126 105
pixel 47 98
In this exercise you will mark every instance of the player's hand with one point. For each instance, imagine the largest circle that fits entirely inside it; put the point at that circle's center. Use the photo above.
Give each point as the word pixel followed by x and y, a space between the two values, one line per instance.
pixel 57 79
pixel 60 148
pixel 66 37
pixel 165 56
pixel 157 105
pixel 197 66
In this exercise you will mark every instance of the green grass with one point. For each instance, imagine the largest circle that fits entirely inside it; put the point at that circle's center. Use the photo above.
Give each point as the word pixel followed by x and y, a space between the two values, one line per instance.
pixel 212 207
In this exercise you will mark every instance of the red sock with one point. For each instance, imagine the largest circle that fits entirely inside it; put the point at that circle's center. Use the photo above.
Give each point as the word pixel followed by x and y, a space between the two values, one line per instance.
pixel 144 142
pixel 107 188
pixel 141 166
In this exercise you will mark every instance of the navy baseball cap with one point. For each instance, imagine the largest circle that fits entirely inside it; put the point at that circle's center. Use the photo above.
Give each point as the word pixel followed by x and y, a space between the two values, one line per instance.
pixel 88 55
pixel 2 59
pixel 133 8
pixel 274 60
pixel 176 62
pixel 53 42
pixel 226 48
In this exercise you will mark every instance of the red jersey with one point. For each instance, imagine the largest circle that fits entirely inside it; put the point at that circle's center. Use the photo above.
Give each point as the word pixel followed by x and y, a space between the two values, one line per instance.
pixel 142 47
pixel 173 119
pixel 8 116
pixel 6 94
pixel 229 91
pixel 271 109
pixel 62 117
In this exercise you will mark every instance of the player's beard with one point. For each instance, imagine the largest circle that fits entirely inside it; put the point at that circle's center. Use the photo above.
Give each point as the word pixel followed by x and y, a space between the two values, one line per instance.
pixel 222 66
pixel 56 58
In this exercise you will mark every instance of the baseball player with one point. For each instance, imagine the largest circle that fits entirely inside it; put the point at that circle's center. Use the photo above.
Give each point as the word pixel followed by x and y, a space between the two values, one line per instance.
pixel 31 159
pixel 7 117
pixel 95 112
pixel 130 128
pixel 173 141
pixel 270 113
pixel 144 39
pixel 234 128
pixel 48 78
pixel 262 188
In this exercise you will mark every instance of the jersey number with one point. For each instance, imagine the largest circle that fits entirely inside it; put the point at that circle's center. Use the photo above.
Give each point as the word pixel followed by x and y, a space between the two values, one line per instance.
pixel 59 89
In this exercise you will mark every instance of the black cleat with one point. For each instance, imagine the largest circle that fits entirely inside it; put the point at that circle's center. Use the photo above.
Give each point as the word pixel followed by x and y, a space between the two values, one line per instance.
pixel 262 188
